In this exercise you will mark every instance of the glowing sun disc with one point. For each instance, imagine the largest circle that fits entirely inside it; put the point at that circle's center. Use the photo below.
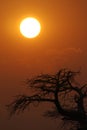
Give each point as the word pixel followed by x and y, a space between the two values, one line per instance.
pixel 30 27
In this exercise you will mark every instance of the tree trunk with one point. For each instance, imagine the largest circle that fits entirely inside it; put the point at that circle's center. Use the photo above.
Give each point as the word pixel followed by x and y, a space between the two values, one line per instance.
pixel 82 125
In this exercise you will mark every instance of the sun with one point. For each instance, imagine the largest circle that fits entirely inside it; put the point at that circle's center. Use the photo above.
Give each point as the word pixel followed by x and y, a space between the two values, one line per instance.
pixel 30 27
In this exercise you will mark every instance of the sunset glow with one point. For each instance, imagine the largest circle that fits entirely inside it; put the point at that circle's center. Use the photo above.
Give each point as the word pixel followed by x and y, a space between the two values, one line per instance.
pixel 41 37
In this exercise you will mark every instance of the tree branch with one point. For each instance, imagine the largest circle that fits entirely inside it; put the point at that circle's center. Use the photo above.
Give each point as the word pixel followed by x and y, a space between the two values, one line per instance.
pixel 22 102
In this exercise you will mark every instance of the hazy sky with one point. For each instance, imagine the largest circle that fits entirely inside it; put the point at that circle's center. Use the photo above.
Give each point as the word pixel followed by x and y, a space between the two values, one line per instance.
pixel 62 43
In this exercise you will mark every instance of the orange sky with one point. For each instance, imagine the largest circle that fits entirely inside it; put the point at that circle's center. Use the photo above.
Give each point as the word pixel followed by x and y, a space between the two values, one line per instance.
pixel 61 43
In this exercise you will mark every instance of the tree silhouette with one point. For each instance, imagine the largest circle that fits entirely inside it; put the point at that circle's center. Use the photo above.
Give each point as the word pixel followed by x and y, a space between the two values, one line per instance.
pixel 62 90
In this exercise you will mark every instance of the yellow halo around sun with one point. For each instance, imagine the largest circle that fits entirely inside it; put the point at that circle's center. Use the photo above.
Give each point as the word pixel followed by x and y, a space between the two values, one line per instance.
pixel 30 27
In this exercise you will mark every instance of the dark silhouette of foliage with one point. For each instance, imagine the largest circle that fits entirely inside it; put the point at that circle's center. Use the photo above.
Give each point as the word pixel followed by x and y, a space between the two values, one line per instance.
pixel 61 89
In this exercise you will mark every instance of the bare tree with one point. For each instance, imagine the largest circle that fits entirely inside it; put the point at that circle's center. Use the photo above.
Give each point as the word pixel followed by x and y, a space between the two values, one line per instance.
pixel 61 90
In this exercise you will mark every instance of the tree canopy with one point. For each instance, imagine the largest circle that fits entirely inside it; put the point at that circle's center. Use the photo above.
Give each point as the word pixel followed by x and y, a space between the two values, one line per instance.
pixel 61 90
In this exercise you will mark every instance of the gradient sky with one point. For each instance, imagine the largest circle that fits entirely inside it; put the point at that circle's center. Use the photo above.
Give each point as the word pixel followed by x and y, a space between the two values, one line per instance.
pixel 62 43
